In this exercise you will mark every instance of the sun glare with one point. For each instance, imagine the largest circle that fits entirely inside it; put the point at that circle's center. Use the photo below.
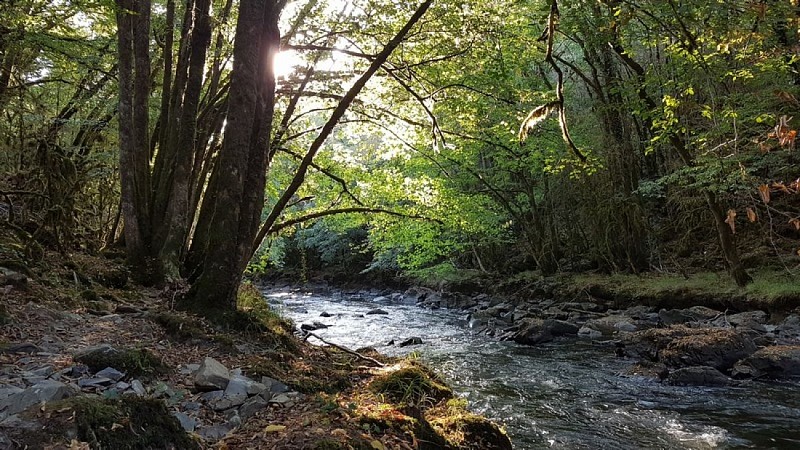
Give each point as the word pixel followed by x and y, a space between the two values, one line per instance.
pixel 285 62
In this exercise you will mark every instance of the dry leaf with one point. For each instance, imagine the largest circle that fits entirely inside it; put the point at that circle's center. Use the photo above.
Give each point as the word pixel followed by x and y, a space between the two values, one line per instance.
pixel 763 191
pixel 795 222
pixel 115 426
pixel 377 445
pixel 751 215
pixel 731 220
pixel 274 428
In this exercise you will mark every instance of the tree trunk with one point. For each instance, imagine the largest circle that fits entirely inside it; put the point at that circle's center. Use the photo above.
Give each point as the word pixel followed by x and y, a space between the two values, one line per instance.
pixel 242 160
pixel 133 18
pixel 174 229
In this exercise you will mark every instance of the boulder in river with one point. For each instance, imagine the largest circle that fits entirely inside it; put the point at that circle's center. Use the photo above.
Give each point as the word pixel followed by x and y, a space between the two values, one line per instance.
pixel 681 346
pixel 780 361
pixel 377 311
pixel 697 376
pixel 410 341
pixel 537 331
pixel 610 325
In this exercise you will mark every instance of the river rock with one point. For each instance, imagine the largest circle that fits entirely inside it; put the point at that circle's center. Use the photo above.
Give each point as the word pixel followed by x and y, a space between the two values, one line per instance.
pixel 693 314
pixel 611 325
pixel 377 311
pixel 753 320
pixel 212 375
pixel 780 361
pixel 537 331
pixel 790 327
pixel 41 392
pixel 313 326
pixel 589 333
pixel 681 346
pixel 697 376
pixel 410 341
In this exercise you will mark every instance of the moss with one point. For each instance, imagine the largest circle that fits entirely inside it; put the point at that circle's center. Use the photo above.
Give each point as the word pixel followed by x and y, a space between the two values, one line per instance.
pixel 411 385
pixel 465 430
pixel 129 423
pixel 134 362
pixel 179 326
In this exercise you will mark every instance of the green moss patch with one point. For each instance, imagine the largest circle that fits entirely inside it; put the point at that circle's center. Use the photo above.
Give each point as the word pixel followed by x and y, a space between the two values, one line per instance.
pixel 134 362
pixel 411 385
pixel 179 326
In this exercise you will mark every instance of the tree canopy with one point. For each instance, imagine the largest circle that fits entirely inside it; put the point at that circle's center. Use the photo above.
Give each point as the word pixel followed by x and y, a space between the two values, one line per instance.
pixel 209 136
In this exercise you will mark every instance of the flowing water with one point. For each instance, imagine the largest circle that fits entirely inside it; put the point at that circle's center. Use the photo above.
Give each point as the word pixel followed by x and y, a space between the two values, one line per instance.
pixel 567 394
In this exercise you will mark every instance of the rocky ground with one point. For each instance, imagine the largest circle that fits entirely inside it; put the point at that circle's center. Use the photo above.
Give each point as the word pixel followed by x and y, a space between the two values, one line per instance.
pixel 90 361
pixel 695 345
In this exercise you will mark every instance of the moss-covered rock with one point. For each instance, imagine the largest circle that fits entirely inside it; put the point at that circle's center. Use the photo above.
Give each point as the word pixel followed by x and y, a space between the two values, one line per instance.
pixel 465 430
pixel 134 362
pixel 179 326
pixel 413 384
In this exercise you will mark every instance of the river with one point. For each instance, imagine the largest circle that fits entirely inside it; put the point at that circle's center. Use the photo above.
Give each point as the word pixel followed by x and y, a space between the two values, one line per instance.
pixel 568 394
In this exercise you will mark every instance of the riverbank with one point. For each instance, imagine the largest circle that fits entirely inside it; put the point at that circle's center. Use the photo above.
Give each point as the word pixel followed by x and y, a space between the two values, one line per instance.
pixel 97 362
pixel 696 329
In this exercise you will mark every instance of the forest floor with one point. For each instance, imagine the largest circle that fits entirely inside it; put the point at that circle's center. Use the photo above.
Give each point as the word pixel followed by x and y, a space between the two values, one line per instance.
pixel 303 396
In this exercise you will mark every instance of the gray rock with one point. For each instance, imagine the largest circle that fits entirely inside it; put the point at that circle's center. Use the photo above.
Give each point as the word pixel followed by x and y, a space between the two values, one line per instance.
pixel 215 432
pixel 236 391
pixel 251 407
pixel 280 399
pixel 98 351
pixel 611 325
pixel 190 406
pixel 189 369
pixel 780 361
pixel 753 320
pixel 188 423
pixel 138 388
pixel 24 347
pixel 8 390
pixel 589 333
pixel 111 373
pixel 326 314
pixel 95 382
pixel 274 386
pixel 122 386
pixel 536 331
pixel 380 299
pixel 693 314
pixel 698 376
pixel 42 392
pixel 212 375
pixel 212 396
pixel 376 311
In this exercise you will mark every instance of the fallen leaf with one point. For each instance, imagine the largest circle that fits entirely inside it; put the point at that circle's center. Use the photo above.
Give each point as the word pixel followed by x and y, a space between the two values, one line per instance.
pixel 731 220
pixel 763 191
pixel 377 445
pixel 795 222
pixel 339 432
pixel 274 428
pixel 751 215
pixel 116 426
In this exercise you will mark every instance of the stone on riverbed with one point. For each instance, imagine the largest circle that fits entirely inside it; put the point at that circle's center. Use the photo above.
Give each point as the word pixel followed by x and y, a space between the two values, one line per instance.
pixel 698 376
pixel 780 361
pixel 681 346
pixel 537 331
